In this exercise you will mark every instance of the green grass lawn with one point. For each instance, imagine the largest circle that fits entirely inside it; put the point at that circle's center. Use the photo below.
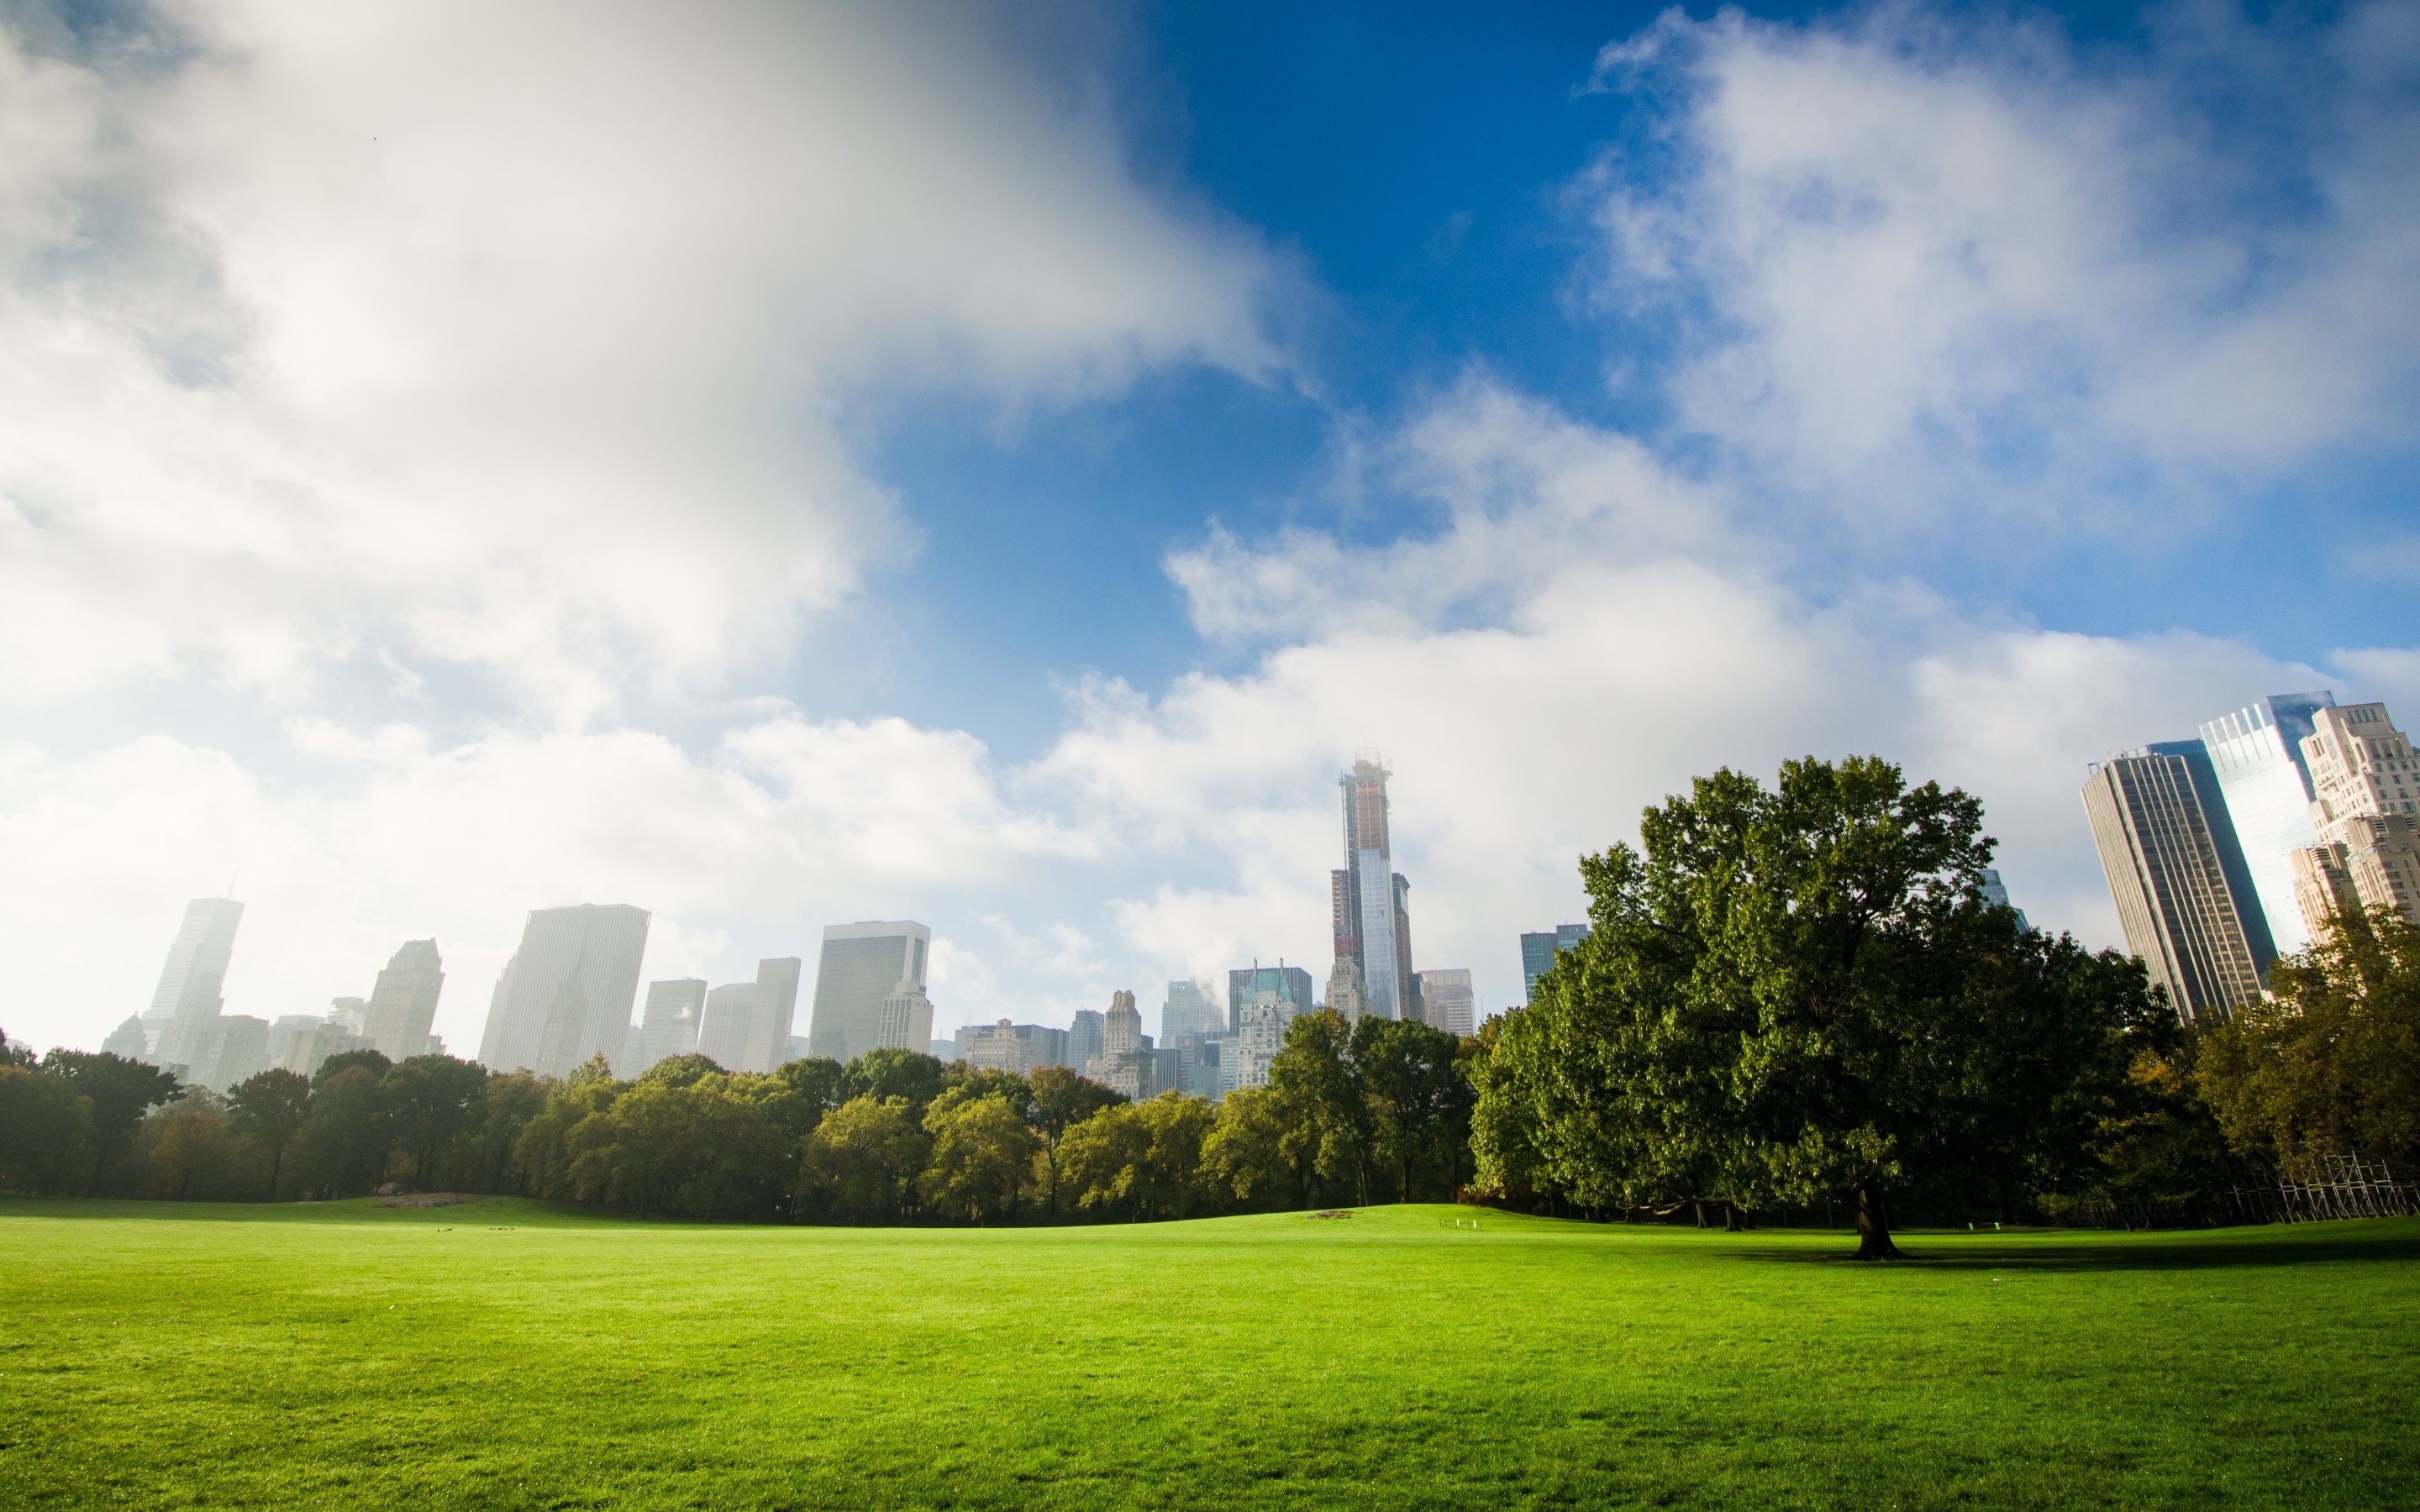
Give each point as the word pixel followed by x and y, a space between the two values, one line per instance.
pixel 508 1354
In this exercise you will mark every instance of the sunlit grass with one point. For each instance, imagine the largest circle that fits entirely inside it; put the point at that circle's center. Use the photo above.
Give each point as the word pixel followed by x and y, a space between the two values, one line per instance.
pixel 508 1354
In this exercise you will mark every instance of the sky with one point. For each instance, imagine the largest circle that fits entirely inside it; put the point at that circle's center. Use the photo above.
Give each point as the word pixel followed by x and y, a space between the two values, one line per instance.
pixel 994 465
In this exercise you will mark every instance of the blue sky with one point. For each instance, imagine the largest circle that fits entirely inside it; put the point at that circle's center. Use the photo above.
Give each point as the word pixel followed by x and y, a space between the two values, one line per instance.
pixel 994 465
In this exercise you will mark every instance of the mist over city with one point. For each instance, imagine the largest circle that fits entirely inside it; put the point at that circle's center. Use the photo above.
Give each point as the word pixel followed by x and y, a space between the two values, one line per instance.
pixel 1799 623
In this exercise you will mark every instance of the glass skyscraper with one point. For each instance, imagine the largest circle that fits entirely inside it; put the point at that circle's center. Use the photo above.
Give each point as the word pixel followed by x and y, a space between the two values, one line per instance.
pixel 863 965
pixel 566 994
pixel 1370 921
pixel 2176 871
pixel 187 1000
pixel 2257 754
pixel 1538 954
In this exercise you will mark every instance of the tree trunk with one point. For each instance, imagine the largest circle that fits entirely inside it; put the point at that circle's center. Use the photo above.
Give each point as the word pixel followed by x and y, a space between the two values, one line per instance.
pixel 1730 1218
pixel 1873 1225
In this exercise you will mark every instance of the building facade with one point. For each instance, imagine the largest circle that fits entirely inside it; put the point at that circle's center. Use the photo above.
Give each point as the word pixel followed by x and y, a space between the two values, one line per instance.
pixel 906 1020
pixel 187 998
pixel 1084 1037
pixel 1188 1010
pixel 727 1024
pixel 2365 817
pixel 1345 994
pixel 2257 754
pixel 861 966
pixel 669 1021
pixel 568 993
pixel 1369 901
pixel 403 1001
pixel 1447 1001
pixel 2177 873
pixel 1538 951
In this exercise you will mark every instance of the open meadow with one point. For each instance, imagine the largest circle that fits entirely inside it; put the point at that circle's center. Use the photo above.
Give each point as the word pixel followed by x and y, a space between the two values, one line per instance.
pixel 506 1354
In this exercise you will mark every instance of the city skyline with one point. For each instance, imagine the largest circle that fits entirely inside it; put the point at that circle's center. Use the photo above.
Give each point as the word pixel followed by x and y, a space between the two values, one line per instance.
pixel 989 474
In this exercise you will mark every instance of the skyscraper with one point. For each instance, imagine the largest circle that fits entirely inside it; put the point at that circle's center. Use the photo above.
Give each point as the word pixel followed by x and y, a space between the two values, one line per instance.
pixel 1447 1000
pixel 403 1001
pixel 2257 754
pixel 2366 813
pixel 669 1023
pixel 187 1000
pixel 906 1020
pixel 1188 1010
pixel 1126 1064
pixel 2178 875
pixel 862 965
pixel 1371 921
pixel 770 1012
pixel 1538 954
pixel 1345 994
pixel 1292 985
pixel 726 1024
pixel 1995 892
pixel 1084 1037
pixel 566 994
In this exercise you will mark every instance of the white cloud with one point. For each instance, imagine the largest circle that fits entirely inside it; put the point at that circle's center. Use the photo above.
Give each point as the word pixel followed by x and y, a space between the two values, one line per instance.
pixel 516 338
pixel 1945 264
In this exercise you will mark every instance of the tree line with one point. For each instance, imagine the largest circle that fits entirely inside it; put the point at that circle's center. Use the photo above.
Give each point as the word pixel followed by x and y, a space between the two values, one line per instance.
pixel 1792 997
pixel 1377 1111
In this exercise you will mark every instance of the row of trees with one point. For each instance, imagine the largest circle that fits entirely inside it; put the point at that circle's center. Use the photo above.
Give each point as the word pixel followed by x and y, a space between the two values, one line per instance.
pixel 1790 996
pixel 1354 1114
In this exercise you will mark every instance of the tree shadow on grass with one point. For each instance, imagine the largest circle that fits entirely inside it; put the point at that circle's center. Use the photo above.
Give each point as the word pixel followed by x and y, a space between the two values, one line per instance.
pixel 2390 1239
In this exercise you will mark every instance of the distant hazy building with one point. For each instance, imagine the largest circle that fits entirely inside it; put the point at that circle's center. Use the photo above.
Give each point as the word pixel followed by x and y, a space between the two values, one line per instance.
pixel 1084 1037
pixel 1995 892
pixel 351 1015
pixel 283 1029
pixel 1259 1033
pixel 862 965
pixel 1188 1010
pixel 996 1047
pixel 234 1048
pixel 2177 873
pixel 1370 917
pixel 1447 1001
pixel 945 1050
pixel 725 1023
pixel 310 1048
pixel 1292 985
pixel 1538 951
pixel 907 1019
pixel 403 1001
pixel 127 1039
pixel 1344 993
pixel 771 1014
pixel 2257 754
pixel 566 994
pixel 1126 1063
pixel 187 998
pixel 669 1021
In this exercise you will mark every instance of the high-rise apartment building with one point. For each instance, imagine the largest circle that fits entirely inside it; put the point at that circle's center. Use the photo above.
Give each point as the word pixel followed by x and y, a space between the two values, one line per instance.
pixel 1538 954
pixel 233 1049
pixel 1126 1064
pixel 2365 816
pixel 127 1041
pixel 1367 899
pixel 187 1000
pixel 566 994
pixel 1291 984
pixel 863 965
pixel 726 1024
pixel 1085 1037
pixel 403 1001
pixel 1995 892
pixel 1188 1010
pixel 906 1020
pixel 1345 994
pixel 771 1010
pixel 2257 754
pixel 1447 1000
pixel 669 1021
pixel 2177 872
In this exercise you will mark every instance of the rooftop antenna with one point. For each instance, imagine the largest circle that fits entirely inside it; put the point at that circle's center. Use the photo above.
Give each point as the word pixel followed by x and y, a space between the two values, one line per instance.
pixel 232 881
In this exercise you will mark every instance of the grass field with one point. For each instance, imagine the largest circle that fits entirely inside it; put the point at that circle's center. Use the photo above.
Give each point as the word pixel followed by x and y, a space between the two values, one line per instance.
pixel 507 1354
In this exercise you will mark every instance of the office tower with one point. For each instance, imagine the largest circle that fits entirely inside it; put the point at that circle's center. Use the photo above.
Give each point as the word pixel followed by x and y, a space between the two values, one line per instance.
pixel 995 1047
pixel 1243 1058
pixel 1201 1072
pixel 566 994
pixel 1292 985
pixel 1126 1064
pixel 772 1011
pixel 669 1023
pixel 906 1020
pixel 1188 1010
pixel 351 1015
pixel 2178 875
pixel 1122 1026
pixel 1345 994
pixel 1447 1000
pixel 282 1030
pixel 1084 1037
pixel 403 1001
pixel 2262 774
pixel 1995 892
pixel 862 965
pixel 234 1049
pixel 1538 953
pixel 187 998
pixel 724 1025
pixel 1371 921
pixel 311 1048
pixel 126 1041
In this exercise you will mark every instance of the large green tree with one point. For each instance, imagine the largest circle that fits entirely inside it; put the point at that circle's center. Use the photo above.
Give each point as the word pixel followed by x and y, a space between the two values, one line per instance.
pixel 431 1103
pixel 1141 1160
pixel 1418 1100
pixel 890 1072
pixel 982 1159
pixel 862 1164
pixel 1797 992
pixel 1058 1101
pixel 120 1092
pixel 45 1128
pixel 267 1111
pixel 1332 1127
pixel 2331 1064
